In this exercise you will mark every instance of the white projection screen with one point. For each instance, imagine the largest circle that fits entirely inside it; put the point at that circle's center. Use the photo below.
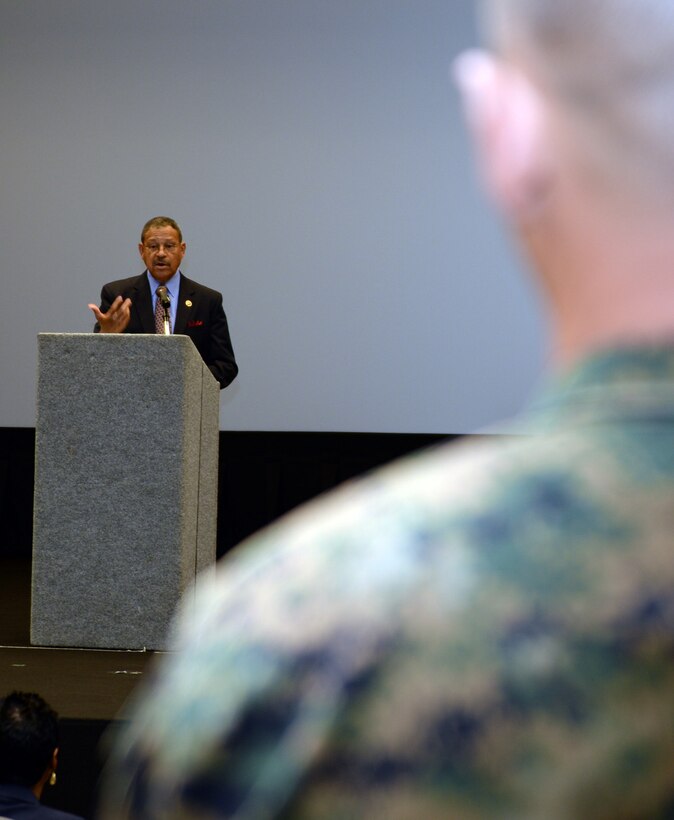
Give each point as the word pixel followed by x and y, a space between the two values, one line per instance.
pixel 314 154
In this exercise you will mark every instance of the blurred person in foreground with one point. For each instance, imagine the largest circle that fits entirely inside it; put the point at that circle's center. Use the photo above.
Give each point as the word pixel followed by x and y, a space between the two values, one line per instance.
pixel 29 747
pixel 483 630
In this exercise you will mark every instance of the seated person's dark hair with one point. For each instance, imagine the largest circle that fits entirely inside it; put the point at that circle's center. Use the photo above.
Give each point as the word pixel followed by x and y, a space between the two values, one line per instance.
pixel 28 737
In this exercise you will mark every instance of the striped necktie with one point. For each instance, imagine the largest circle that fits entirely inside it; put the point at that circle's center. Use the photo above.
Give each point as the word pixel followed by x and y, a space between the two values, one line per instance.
pixel 159 316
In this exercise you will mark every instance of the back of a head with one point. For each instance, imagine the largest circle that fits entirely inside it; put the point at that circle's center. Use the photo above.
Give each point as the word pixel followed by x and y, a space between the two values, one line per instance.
pixel 28 737
pixel 609 65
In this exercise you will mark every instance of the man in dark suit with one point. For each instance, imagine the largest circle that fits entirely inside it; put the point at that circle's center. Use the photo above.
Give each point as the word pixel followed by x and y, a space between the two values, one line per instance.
pixel 133 306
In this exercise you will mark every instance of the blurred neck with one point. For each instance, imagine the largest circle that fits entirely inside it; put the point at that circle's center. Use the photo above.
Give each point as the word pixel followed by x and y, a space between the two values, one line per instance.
pixel 606 264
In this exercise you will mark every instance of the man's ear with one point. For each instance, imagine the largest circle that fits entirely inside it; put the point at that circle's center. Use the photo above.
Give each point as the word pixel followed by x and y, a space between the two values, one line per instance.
pixel 507 119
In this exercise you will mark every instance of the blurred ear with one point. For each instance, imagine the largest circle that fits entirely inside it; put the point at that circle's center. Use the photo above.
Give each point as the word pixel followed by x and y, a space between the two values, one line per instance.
pixel 507 119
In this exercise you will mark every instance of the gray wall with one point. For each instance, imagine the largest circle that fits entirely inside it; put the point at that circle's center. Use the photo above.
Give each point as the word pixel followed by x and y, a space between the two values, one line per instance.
pixel 314 154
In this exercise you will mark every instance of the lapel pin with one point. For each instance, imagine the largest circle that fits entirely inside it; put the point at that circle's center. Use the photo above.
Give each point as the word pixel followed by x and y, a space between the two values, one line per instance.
pixel 188 303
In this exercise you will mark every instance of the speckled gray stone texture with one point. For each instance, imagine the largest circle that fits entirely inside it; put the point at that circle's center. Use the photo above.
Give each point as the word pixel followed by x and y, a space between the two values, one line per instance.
pixel 125 495
pixel 208 486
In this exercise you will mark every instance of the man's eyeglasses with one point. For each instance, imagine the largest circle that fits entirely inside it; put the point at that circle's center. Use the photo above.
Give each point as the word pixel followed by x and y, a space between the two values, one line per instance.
pixel 169 247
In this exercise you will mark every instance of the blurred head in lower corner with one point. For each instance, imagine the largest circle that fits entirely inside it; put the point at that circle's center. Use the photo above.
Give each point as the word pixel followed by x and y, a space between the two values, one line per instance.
pixel 29 740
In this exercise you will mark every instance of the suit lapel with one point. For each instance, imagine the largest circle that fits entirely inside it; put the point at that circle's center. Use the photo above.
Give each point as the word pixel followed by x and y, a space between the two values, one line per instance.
pixel 142 300
pixel 183 312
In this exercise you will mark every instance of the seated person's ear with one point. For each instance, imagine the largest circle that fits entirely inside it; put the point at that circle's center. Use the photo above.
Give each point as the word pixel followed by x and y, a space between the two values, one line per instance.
pixel 506 117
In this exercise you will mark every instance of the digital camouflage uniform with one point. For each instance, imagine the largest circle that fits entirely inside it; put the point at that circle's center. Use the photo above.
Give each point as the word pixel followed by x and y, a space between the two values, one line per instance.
pixel 478 631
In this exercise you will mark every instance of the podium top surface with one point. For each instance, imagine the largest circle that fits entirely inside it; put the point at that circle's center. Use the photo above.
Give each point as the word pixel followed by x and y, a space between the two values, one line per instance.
pixel 175 350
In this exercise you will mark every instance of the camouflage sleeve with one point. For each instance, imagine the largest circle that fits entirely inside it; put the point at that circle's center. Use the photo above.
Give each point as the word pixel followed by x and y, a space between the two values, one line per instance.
pixel 436 643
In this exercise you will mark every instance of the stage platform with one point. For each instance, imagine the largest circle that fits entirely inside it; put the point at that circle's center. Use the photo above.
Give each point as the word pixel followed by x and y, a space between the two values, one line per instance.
pixel 88 689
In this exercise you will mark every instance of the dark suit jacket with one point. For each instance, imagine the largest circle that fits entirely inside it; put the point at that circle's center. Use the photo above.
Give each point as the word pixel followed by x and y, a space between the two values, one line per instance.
pixel 199 315
pixel 19 803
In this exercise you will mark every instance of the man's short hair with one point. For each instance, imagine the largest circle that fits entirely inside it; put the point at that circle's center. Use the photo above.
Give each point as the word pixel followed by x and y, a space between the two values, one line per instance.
pixel 161 222
pixel 610 65
pixel 28 737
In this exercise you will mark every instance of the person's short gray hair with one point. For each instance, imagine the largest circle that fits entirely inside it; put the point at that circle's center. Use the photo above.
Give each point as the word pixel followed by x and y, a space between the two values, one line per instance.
pixel 610 64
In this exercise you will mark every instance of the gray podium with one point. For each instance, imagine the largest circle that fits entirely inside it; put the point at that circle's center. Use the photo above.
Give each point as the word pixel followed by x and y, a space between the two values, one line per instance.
pixel 125 486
